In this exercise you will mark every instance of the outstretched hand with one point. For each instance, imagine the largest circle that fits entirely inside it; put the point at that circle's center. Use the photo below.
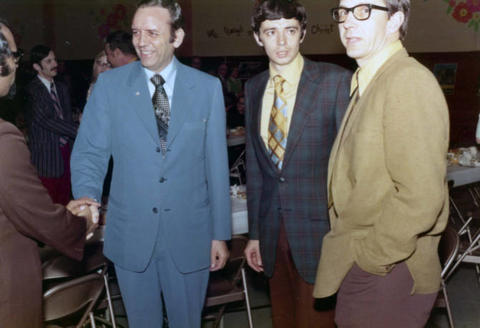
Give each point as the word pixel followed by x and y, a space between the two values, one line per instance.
pixel 87 208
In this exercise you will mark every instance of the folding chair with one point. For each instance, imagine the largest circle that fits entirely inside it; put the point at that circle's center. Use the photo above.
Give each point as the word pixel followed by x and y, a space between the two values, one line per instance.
pixel 63 273
pixel 238 168
pixel 73 296
pixel 229 284
pixel 470 254
pixel 448 251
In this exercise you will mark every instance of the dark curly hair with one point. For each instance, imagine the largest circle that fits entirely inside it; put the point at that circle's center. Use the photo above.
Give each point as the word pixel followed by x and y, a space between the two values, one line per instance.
pixel 278 9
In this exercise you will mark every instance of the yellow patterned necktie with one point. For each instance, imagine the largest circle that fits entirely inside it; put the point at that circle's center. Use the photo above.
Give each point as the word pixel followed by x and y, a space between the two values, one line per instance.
pixel 277 127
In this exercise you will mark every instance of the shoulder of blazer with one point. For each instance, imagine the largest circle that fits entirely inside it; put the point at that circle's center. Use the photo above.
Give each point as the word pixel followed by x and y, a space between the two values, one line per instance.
pixel 314 70
pixel 122 74
pixel 194 75
pixel 35 86
pixel 9 128
pixel 257 80
pixel 402 69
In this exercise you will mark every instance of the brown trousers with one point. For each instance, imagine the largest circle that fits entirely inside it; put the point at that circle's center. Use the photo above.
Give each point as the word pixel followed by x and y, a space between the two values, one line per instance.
pixel 368 300
pixel 293 305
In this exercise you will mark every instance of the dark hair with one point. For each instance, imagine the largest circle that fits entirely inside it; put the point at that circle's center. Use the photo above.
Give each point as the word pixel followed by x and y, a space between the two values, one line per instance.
pixel 5 53
pixel 38 53
pixel 278 9
pixel 403 6
pixel 121 40
pixel 173 8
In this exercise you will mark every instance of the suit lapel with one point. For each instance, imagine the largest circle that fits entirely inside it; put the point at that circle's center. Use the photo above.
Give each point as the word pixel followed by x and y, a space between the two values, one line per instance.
pixel 337 143
pixel 352 113
pixel 183 101
pixel 257 101
pixel 142 103
pixel 61 97
pixel 45 95
pixel 302 109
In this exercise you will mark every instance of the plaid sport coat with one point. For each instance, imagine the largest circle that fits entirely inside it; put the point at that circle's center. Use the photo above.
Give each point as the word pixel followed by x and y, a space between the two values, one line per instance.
pixel 45 127
pixel 297 193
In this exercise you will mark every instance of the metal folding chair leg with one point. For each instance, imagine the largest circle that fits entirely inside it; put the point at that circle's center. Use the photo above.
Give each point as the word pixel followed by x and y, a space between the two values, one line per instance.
pixel 447 305
pixel 109 301
pixel 247 299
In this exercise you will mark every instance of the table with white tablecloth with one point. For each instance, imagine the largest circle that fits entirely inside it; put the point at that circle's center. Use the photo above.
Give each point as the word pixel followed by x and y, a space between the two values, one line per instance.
pixel 463 175
pixel 239 216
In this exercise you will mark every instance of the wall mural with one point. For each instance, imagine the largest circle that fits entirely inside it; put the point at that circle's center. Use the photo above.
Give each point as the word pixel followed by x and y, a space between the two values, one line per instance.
pixel 112 18
pixel 465 11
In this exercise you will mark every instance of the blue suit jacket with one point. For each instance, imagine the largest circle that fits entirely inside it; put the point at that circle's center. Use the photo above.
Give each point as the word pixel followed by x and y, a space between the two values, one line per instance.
pixel 182 196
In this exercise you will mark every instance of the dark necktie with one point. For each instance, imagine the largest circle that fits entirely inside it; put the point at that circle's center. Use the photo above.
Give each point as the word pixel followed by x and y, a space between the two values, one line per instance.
pixel 161 109
pixel 56 102
pixel 58 108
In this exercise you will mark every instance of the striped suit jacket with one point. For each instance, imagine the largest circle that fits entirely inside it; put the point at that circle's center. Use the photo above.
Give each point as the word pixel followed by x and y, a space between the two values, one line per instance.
pixel 46 128
pixel 298 193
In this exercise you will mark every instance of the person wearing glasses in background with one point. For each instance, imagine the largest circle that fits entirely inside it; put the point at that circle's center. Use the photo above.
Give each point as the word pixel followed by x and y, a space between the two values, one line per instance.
pixel 387 190
pixel 100 65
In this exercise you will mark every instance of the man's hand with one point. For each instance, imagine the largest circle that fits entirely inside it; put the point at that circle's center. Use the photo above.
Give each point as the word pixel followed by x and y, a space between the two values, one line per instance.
pixel 252 253
pixel 87 208
pixel 219 255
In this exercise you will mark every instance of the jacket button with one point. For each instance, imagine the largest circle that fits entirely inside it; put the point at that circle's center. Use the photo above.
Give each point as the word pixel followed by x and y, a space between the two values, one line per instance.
pixel 158 149
pixel 281 179
pixel 162 180
pixel 155 210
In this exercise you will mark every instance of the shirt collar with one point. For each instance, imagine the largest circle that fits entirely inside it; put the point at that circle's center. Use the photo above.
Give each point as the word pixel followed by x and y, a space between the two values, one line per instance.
pixel 291 73
pixel 363 76
pixel 167 73
pixel 45 82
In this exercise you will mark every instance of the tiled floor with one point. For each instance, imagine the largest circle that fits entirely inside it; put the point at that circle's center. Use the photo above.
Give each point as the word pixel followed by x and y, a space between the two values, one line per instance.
pixel 464 292
pixel 463 289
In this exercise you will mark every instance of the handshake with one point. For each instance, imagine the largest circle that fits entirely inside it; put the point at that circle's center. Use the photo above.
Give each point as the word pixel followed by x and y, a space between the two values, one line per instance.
pixel 88 209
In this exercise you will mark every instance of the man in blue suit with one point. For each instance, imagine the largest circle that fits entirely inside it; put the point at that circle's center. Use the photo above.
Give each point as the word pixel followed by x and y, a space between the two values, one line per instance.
pixel 169 206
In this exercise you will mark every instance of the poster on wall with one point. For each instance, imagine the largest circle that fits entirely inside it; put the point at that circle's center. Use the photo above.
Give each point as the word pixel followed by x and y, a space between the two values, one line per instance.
pixel 446 75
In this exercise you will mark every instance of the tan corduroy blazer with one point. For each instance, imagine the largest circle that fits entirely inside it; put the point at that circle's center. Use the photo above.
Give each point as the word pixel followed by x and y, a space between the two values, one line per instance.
pixel 388 195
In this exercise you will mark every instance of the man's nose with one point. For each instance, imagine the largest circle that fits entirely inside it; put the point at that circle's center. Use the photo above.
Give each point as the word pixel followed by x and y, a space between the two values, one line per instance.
pixel 141 38
pixel 350 20
pixel 281 38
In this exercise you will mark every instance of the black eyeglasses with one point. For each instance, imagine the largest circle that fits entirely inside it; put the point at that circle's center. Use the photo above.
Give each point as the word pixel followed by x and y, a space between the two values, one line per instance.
pixel 17 55
pixel 360 12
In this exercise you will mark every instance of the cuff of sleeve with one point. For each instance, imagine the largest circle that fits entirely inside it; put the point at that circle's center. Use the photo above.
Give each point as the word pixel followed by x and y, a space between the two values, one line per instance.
pixel 366 264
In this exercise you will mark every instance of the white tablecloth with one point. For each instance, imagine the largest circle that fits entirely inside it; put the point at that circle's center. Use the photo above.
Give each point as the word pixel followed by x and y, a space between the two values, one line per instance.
pixel 235 140
pixel 463 175
pixel 239 216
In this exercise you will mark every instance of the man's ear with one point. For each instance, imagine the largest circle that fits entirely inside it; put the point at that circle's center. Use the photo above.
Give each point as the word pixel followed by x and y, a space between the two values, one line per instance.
pixel 179 36
pixel 304 32
pixel 257 39
pixel 117 52
pixel 37 67
pixel 395 22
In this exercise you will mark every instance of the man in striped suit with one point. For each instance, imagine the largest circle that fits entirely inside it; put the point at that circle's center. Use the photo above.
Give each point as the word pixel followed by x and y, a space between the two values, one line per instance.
pixel 51 127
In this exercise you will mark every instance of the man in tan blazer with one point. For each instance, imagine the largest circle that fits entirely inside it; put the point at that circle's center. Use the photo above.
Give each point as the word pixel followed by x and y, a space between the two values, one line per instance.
pixel 387 190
